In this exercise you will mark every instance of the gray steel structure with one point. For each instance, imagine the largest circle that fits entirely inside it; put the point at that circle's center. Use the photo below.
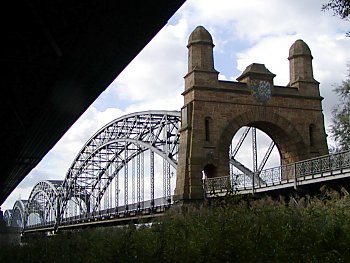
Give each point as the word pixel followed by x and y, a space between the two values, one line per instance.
pixel 108 174
pixel 18 214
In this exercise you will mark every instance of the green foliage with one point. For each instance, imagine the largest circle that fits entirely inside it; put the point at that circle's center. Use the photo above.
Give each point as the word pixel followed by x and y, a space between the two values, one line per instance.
pixel 340 8
pixel 340 127
pixel 229 230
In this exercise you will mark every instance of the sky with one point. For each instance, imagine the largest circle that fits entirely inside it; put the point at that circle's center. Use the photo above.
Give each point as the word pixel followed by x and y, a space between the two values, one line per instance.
pixel 244 32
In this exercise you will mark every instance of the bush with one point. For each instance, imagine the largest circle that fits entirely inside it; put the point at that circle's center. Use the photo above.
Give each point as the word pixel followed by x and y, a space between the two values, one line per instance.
pixel 230 230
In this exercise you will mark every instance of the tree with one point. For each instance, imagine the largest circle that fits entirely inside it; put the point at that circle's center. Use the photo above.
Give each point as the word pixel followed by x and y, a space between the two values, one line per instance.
pixel 340 127
pixel 340 8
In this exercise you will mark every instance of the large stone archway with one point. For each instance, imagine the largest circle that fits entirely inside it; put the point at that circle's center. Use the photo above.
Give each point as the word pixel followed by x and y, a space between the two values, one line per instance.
pixel 215 110
pixel 287 138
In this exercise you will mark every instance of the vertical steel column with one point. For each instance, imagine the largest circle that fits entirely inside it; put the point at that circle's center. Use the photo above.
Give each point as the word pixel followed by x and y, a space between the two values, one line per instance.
pixel 142 179
pixel 116 189
pixel 80 202
pixel 111 193
pixel 99 195
pixel 106 193
pixel 152 176
pixel 138 175
pixel 164 180
pixel 165 170
pixel 133 180
pixel 168 183
pixel 58 211
pixel 126 174
pixel 75 199
pixel 255 156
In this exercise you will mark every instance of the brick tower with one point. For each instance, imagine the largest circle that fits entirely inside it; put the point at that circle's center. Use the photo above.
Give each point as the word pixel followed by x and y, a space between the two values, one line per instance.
pixel 215 110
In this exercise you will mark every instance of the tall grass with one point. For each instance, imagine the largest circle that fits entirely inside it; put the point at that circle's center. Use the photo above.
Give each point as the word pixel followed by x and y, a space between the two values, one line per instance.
pixel 307 229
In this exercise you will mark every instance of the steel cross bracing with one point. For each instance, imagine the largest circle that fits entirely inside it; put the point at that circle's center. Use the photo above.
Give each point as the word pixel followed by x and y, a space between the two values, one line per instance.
pixel 253 176
pixel 43 202
pixel 112 148
pixel 8 217
pixel 18 214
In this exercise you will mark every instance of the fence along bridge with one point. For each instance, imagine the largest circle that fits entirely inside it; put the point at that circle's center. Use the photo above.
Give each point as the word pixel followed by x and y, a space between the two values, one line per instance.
pixel 126 171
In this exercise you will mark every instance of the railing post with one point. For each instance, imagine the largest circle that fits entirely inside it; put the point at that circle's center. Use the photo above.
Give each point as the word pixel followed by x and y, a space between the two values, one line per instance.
pixel 295 175
pixel 203 187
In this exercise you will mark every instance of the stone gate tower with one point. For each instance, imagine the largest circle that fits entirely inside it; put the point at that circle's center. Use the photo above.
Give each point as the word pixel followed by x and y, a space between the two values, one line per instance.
pixel 215 110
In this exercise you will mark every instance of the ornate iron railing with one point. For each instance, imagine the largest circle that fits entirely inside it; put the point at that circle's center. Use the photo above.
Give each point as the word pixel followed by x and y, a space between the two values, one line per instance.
pixel 319 167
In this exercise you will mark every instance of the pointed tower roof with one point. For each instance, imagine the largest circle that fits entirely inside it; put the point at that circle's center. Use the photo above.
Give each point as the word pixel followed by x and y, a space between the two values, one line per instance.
pixel 299 48
pixel 200 35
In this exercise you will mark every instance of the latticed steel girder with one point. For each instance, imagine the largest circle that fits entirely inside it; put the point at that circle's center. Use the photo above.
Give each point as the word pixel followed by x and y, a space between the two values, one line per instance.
pixel 18 213
pixel 44 201
pixel 113 146
pixel 7 217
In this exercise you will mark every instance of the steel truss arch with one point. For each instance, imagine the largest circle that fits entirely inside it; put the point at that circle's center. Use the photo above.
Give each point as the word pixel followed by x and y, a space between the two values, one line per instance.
pixel 44 201
pixel 7 217
pixel 18 215
pixel 112 147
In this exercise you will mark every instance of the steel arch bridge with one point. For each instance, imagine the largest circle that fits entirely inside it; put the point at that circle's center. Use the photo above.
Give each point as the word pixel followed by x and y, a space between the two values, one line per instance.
pixel 43 203
pixel 109 154
pixel 109 174
pixel 110 177
pixel 18 214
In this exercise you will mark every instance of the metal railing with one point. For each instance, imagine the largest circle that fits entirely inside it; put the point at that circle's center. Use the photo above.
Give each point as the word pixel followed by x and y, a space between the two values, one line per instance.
pixel 319 167
pixel 159 205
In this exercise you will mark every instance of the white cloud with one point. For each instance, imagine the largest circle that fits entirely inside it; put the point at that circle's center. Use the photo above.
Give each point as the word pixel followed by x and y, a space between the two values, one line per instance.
pixel 157 72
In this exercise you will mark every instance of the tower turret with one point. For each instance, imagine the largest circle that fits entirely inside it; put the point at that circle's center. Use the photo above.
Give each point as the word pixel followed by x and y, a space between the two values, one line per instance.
pixel 200 50
pixel 200 59
pixel 300 64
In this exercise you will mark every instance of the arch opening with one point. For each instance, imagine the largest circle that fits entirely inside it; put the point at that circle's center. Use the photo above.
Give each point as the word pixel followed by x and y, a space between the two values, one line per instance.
pixel 289 142
pixel 242 149
pixel 209 171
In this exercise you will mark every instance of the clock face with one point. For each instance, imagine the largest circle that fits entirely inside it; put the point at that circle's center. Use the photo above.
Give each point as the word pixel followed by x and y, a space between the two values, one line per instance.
pixel 261 90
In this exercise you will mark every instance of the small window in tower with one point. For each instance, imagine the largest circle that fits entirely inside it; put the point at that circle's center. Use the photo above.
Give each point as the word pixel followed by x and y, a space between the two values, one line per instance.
pixel 207 129
pixel 312 134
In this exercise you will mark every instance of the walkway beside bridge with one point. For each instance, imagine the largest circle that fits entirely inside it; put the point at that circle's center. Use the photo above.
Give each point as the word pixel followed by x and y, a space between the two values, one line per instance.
pixel 333 167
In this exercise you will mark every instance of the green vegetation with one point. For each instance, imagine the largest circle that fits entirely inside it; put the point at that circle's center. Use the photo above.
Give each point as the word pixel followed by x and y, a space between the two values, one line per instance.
pixel 307 229
pixel 340 8
pixel 340 127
